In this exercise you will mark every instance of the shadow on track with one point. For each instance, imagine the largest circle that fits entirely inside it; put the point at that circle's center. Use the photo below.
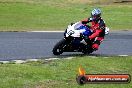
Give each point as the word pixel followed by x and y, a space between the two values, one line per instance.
pixel 80 55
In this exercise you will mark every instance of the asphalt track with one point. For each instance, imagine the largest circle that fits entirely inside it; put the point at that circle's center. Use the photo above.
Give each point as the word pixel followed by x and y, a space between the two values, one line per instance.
pixel 31 45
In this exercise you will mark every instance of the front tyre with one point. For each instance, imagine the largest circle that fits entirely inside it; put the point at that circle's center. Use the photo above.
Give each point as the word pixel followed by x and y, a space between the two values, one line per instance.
pixel 58 48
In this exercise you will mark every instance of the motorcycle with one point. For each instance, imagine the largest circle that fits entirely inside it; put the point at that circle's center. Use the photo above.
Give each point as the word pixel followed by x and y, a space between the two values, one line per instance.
pixel 73 40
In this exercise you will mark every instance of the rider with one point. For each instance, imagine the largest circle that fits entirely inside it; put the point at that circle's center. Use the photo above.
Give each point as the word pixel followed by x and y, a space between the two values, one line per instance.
pixel 97 27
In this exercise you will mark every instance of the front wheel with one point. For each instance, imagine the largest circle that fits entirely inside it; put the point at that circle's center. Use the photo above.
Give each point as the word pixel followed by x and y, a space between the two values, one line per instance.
pixel 58 48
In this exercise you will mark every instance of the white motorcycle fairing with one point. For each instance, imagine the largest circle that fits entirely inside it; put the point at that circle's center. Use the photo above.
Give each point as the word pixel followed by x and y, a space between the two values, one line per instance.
pixel 73 30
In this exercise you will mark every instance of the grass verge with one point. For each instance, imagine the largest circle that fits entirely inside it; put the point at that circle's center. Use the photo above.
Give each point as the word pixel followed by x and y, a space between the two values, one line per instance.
pixel 31 15
pixel 62 73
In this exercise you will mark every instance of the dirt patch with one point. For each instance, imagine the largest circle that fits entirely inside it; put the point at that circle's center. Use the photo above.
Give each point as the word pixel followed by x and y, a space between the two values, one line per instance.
pixel 123 1
pixel 99 1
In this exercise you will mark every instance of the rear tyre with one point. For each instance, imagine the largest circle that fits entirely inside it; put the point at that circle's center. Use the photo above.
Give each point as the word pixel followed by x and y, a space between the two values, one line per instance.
pixel 58 48
pixel 87 51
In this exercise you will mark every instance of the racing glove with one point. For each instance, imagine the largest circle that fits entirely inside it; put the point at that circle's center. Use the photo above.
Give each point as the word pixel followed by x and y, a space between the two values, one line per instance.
pixel 94 35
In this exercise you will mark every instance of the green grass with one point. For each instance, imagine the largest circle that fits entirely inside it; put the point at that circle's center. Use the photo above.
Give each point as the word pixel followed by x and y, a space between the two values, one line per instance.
pixel 62 73
pixel 23 15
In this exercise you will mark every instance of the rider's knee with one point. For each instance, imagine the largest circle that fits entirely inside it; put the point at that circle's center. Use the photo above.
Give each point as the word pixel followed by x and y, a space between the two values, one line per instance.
pixel 95 46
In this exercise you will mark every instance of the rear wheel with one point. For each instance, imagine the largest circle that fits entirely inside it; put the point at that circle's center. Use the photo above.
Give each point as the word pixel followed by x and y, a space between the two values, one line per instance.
pixel 87 50
pixel 58 48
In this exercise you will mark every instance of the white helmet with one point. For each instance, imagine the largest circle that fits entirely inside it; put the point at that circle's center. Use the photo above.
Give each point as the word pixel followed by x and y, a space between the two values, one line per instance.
pixel 96 13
